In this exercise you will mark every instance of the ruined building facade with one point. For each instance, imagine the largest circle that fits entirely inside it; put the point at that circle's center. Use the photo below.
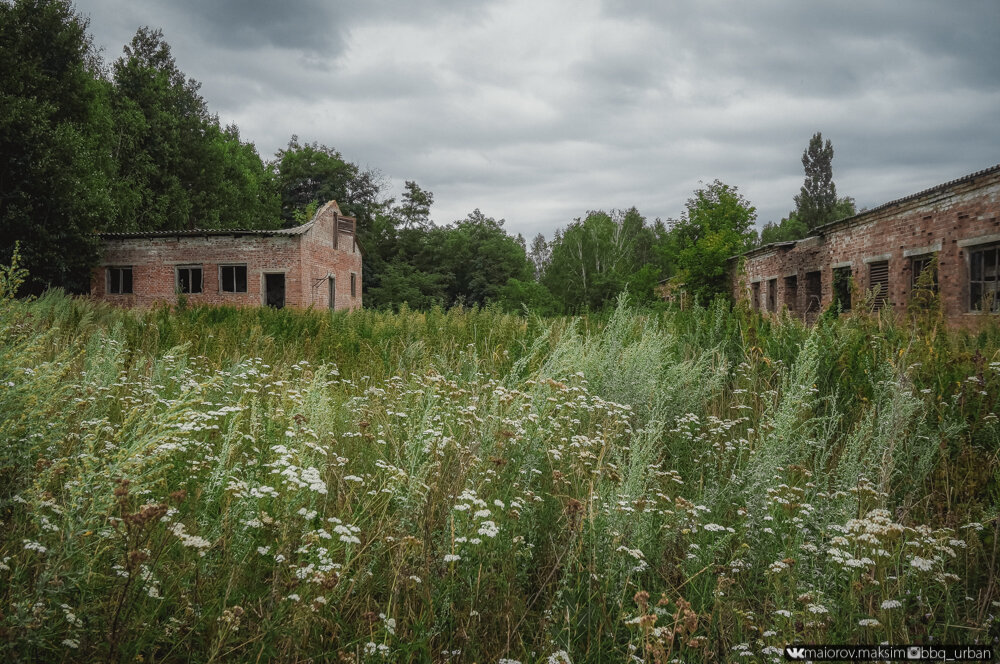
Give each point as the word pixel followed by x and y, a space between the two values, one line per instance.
pixel 941 244
pixel 316 264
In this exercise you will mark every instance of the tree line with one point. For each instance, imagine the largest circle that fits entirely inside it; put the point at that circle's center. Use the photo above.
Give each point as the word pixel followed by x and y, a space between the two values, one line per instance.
pixel 132 146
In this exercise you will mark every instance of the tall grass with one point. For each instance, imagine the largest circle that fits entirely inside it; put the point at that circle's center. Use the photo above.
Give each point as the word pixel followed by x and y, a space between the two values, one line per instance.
pixel 212 484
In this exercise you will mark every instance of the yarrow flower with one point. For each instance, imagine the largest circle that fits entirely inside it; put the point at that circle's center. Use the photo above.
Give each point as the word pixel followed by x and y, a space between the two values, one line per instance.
pixel 33 546
pixel 488 529
pixel 778 566
pixel 891 604
pixel 190 540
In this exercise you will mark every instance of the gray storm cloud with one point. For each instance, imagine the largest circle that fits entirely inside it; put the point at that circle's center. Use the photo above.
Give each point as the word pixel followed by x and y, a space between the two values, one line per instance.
pixel 538 112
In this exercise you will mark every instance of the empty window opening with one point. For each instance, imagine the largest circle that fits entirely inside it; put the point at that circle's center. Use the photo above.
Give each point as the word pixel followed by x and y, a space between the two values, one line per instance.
pixel 233 278
pixel 772 295
pixel 354 285
pixel 120 280
pixel 983 279
pixel 189 279
pixel 274 290
pixel 755 295
pixel 923 273
pixel 332 296
pixel 878 282
pixel 814 290
pixel 842 287
pixel 791 292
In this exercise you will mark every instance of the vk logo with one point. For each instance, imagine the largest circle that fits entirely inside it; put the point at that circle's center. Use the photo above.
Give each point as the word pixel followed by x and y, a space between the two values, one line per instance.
pixel 795 653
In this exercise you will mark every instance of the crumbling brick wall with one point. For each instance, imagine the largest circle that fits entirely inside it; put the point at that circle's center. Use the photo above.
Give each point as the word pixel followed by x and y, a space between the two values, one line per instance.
pixel 946 222
pixel 305 256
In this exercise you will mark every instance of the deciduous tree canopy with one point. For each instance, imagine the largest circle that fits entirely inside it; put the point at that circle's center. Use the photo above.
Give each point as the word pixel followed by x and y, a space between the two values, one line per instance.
pixel 54 189
pixel 135 147
pixel 718 224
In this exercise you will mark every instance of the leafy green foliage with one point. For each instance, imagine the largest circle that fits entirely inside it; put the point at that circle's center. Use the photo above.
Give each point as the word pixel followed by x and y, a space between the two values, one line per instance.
pixel 792 228
pixel 307 173
pixel 789 228
pixel 818 196
pixel 718 224
pixel 416 207
pixel 386 487
pixel 466 263
pixel 592 260
pixel 53 122
pixel 177 168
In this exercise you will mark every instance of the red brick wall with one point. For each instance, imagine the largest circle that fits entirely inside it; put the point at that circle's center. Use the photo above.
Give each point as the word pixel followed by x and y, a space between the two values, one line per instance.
pixel 947 221
pixel 305 260
pixel 319 259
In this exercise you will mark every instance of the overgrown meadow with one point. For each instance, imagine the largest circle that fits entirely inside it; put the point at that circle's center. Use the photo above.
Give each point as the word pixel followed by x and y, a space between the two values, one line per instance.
pixel 220 485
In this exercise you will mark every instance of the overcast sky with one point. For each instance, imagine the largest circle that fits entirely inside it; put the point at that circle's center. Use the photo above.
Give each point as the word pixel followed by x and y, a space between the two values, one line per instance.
pixel 538 111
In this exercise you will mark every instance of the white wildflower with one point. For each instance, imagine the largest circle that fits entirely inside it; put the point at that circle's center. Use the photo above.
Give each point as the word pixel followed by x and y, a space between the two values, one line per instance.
pixel 488 529
pixel 33 546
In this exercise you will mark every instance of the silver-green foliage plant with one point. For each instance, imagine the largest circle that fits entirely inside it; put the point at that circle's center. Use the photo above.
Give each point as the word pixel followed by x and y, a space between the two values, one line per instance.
pixel 464 486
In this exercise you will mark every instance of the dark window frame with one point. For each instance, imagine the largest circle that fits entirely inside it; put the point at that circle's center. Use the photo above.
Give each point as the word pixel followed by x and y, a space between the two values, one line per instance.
pixel 235 281
pixel 841 287
pixel 117 283
pixel 917 265
pixel 980 285
pixel 332 291
pixel 814 290
pixel 791 293
pixel 190 269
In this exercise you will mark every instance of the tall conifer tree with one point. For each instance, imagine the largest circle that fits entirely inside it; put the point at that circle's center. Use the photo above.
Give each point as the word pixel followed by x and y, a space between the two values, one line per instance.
pixel 816 203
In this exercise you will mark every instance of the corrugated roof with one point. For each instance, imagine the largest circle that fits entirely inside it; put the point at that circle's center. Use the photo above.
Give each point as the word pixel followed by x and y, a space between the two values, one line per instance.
pixel 825 228
pixel 235 232
pixel 767 247
pixel 214 232
pixel 919 194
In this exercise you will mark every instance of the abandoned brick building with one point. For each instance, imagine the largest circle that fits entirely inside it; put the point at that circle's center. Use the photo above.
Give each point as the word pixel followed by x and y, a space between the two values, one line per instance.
pixel 316 264
pixel 943 242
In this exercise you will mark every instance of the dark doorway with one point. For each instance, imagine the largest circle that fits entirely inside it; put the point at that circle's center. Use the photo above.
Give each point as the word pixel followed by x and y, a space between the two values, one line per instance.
pixel 814 291
pixel 274 290
pixel 792 292
pixel 842 287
